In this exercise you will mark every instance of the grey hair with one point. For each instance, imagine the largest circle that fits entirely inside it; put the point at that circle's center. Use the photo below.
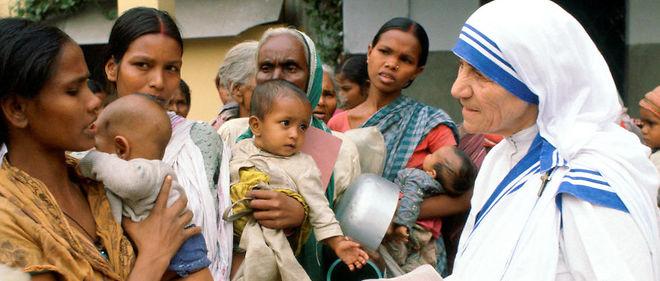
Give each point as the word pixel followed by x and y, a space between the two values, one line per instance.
pixel 274 31
pixel 331 73
pixel 238 67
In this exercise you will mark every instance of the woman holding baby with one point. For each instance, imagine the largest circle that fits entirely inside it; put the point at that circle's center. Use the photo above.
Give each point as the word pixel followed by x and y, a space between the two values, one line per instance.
pixel 54 224
pixel 46 214
pixel 396 56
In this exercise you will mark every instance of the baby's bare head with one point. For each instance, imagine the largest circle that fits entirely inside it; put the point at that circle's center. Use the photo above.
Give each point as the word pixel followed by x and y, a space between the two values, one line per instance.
pixel 134 126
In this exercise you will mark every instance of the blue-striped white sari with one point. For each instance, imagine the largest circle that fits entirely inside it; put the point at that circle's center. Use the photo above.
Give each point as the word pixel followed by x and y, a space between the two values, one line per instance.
pixel 573 196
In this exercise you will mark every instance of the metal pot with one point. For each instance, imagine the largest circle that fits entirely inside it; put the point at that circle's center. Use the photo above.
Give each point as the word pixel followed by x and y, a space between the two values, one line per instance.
pixel 366 209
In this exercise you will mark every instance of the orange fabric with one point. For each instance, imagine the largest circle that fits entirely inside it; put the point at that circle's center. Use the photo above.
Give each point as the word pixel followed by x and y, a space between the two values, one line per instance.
pixel 438 137
pixel 339 122
pixel 36 236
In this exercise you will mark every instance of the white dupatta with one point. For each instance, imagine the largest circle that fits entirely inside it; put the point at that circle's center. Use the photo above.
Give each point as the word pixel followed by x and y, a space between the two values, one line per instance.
pixel 225 229
pixel 541 54
pixel 187 161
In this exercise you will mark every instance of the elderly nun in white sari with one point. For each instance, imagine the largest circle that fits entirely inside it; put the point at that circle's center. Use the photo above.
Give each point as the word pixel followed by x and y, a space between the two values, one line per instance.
pixel 568 195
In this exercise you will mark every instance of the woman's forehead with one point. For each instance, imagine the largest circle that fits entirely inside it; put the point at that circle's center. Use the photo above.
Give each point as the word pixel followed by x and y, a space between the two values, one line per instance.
pixel 155 44
pixel 403 39
pixel 282 46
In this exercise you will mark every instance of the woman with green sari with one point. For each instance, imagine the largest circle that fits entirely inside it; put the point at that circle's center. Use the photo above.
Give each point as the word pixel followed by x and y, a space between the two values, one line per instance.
pixel 396 56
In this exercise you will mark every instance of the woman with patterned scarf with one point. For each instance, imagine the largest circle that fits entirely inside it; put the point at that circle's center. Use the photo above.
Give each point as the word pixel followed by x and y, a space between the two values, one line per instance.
pixel 412 130
pixel 566 195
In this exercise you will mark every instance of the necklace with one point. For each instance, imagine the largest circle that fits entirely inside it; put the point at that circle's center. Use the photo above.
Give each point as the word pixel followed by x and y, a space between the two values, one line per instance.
pixel 96 241
pixel 91 237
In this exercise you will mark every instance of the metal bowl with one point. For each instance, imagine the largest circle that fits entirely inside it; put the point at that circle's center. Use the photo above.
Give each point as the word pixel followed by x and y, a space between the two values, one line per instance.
pixel 366 209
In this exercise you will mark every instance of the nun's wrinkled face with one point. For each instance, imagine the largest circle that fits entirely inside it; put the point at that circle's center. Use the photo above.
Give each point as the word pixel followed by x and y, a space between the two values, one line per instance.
pixel 488 107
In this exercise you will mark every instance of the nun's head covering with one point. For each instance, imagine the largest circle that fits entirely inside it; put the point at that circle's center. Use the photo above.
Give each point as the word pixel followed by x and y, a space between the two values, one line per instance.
pixel 542 55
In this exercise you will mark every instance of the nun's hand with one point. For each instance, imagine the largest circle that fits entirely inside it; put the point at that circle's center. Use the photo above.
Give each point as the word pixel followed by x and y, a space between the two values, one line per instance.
pixel 276 210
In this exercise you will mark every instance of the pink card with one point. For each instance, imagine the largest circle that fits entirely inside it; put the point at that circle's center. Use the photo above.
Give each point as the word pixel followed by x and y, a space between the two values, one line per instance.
pixel 324 148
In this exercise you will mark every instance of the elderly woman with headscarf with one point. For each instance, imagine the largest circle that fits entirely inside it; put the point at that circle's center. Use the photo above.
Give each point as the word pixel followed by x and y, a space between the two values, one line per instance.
pixel 288 54
pixel 566 195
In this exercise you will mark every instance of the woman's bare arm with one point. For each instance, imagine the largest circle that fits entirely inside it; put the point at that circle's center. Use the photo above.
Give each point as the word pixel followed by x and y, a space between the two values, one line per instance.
pixel 443 205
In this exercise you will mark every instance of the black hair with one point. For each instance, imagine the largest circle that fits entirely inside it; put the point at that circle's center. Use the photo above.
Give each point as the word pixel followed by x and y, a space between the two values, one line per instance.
pixel 28 57
pixel 266 93
pixel 354 68
pixel 94 86
pixel 150 97
pixel 132 25
pixel 407 25
pixel 185 90
pixel 463 178
pixel 138 22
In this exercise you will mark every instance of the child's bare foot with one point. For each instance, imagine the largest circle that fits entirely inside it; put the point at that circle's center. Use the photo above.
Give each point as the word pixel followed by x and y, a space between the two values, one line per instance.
pixel 348 251
pixel 400 234
pixel 397 233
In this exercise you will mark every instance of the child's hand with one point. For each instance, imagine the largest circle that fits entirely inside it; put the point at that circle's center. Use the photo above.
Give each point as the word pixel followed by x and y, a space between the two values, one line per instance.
pixel 348 251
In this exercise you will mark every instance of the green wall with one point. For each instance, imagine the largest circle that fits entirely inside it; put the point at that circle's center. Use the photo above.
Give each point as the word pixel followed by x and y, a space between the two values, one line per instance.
pixel 642 73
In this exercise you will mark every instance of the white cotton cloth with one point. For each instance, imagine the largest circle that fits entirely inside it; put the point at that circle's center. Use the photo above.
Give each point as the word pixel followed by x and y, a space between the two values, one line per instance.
pixel 371 145
pixel 225 229
pixel 187 161
pixel 510 242
pixel 347 167
pixel 602 184
pixel 3 150
pixel 13 274
pixel 232 129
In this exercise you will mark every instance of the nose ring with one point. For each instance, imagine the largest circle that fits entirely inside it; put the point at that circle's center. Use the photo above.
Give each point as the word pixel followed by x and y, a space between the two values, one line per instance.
pixel 396 67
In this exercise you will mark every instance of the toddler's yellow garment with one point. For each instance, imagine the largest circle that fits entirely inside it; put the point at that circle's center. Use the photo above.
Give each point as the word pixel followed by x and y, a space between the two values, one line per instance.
pixel 251 178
